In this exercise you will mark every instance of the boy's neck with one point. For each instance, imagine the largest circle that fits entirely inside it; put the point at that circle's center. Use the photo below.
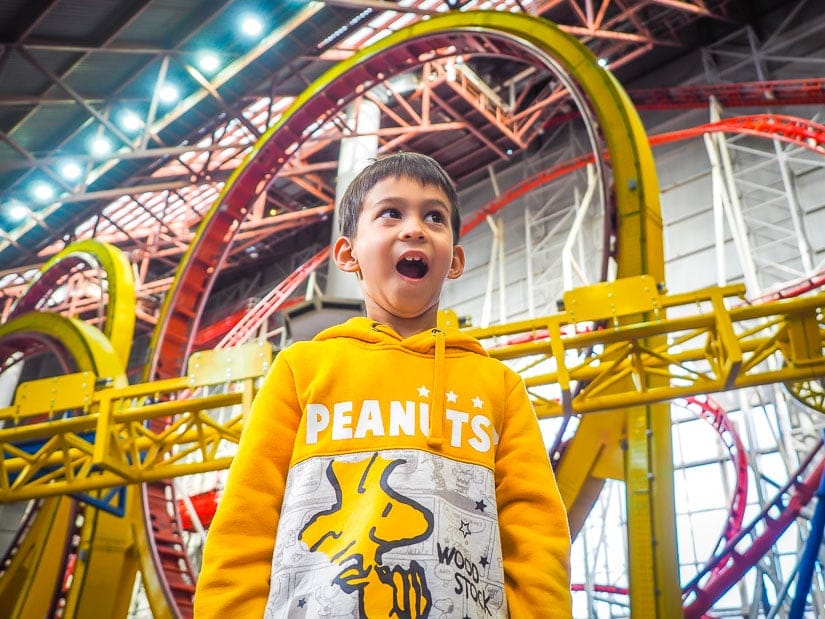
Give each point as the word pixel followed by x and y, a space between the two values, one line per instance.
pixel 406 327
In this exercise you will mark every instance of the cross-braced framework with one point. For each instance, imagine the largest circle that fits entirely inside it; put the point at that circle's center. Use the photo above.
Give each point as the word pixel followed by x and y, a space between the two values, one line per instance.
pixel 153 215
pixel 760 218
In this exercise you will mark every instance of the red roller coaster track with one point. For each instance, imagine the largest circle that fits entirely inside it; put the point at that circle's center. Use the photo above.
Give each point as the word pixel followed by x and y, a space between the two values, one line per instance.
pixel 798 131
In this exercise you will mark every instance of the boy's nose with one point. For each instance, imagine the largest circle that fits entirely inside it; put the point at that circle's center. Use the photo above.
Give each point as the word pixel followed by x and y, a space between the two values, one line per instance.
pixel 413 229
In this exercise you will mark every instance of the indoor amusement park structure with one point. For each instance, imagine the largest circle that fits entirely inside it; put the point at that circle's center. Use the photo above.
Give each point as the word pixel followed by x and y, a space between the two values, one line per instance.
pixel 92 459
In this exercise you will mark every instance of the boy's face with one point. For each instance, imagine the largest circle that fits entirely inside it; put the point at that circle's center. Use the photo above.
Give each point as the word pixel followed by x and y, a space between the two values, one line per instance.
pixel 403 249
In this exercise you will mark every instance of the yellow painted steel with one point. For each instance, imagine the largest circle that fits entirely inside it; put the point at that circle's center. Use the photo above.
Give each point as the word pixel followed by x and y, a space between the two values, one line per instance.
pixel 598 370
pixel 111 444
pixel 106 563
pixel 88 346
pixel 153 585
pixel 119 285
pixel 108 439
pixel 73 391
pixel 110 546
pixel 28 583
pixel 102 580
pixel 203 424
pixel 713 349
pixel 808 391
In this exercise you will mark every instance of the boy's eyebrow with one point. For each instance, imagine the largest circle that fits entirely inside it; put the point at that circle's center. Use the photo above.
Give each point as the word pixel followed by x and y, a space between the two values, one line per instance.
pixel 405 200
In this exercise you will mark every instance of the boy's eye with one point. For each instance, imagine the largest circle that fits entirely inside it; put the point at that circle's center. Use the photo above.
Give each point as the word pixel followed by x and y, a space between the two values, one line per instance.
pixel 436 217
pixel 391 213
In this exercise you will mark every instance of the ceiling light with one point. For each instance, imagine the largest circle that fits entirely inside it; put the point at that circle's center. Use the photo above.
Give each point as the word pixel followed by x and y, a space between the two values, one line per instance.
pixel 208 62
pixel 100 147
pixel 43 191
pixel 16 211
pixel 130 121
pixel 71 171
pixel 168 93
pixel 251 26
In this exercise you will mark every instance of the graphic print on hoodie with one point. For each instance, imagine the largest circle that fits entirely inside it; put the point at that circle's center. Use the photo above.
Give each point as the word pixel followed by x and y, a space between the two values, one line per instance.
pixel 341 531
pixel 430 551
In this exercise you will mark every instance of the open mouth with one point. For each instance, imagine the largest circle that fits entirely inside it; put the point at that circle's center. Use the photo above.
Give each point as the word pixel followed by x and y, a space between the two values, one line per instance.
pixel 413 267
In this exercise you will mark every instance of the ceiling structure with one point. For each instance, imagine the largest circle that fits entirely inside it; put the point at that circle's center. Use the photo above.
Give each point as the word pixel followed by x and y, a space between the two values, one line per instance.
pixel 70 70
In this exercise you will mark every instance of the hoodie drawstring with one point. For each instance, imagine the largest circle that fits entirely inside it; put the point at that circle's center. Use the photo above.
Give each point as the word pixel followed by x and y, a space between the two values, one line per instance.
pixel 437 395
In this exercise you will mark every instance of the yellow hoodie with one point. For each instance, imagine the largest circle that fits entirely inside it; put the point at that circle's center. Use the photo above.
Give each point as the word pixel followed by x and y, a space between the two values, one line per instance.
pixel 381 476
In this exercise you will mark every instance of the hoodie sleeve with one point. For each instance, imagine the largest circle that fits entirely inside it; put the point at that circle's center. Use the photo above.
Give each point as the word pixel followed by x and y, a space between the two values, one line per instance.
pixel 237 559
pixel 535 535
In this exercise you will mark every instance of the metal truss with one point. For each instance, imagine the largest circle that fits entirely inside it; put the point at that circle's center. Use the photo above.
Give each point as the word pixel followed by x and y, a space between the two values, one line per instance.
pixel 156 227
pixel 102 438
pixel 152 218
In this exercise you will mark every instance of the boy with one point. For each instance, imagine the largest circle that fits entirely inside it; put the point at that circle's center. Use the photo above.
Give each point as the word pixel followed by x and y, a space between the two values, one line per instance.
pixel 388 468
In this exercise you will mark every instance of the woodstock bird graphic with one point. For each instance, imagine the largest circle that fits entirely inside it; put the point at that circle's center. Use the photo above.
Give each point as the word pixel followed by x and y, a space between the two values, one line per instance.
pixel 350 538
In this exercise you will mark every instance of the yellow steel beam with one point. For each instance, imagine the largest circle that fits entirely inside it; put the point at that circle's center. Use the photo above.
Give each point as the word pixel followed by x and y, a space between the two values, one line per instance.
pixel 111 444
pixel 104 449
pixel 59 456
pixel 705 352
pixel 713 349
pixel 587 462
pixel 104 574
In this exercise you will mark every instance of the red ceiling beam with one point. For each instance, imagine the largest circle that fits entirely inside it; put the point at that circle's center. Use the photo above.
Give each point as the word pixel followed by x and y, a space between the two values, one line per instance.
pixel 806 91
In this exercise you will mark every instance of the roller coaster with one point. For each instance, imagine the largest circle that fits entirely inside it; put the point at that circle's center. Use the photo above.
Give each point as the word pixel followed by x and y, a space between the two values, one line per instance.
pixel 89 461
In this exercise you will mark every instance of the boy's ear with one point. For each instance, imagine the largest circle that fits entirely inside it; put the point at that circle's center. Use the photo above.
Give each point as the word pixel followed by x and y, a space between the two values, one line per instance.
pixel 343 255
pixel 457 265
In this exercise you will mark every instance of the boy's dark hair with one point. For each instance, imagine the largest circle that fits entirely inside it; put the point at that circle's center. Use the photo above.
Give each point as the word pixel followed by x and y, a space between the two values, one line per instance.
pixel 414 166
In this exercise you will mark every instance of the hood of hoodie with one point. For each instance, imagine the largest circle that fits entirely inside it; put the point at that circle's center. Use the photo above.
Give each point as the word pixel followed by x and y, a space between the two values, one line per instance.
pixel 425 342
pixel 439 343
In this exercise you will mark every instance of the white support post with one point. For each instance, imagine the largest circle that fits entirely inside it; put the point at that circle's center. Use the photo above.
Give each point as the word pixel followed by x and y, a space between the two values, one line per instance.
pixel 720 157
pixel 9 379
pixel 496 264
pixel 528 248
pixel 502 282
pixel 568 263
pixel 805 253
pixel 491 273
pixel 719 208
pixel 364 120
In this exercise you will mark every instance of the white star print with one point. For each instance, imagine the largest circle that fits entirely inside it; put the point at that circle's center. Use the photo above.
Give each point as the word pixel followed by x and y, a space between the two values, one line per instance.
pixel 477 402
pixel 423 391
pixel 451 396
